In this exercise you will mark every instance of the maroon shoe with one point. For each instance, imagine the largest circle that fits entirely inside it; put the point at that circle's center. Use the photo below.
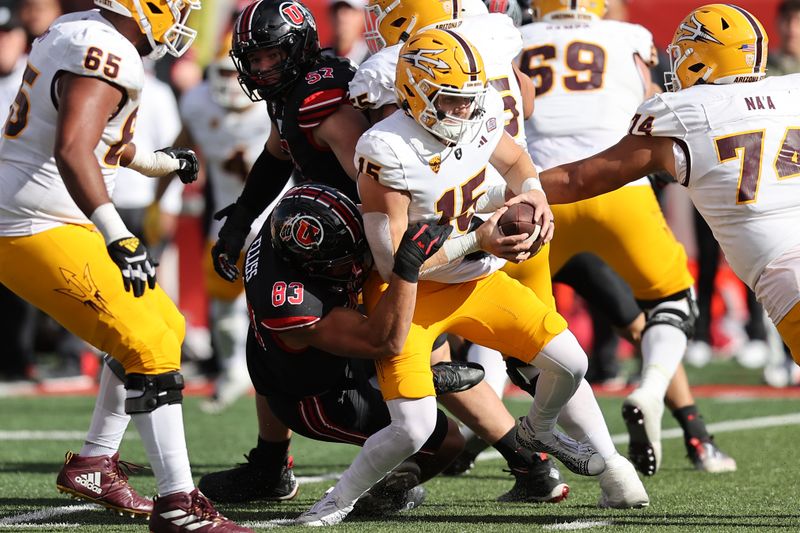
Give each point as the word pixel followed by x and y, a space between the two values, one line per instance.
pixel 103 481
pixel 189 512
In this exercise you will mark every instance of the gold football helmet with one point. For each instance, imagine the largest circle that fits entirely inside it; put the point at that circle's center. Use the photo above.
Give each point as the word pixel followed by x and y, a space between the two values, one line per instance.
pixel 717 43
pixel 568 9
pixel 440 82
pixel 162 21
pixel 389 22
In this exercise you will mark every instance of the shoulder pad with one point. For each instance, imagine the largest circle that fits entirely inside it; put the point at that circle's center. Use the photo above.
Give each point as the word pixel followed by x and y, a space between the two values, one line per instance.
pixel 287 299
pixel 641 40
pixel 372 86
pixel 660 117
pixel 91 48
pixel 318 106
pixel 375 158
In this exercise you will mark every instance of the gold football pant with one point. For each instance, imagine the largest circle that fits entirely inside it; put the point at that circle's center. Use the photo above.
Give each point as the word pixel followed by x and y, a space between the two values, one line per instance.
pixel 496 311
pixel 627 230
pixel 217 287
pixel 789 328
pixel 535 274
pixel 67 273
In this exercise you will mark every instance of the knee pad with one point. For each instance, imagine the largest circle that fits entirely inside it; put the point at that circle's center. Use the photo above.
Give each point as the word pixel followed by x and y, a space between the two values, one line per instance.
pixel 522 375
pixel 157 390
pixel 679 310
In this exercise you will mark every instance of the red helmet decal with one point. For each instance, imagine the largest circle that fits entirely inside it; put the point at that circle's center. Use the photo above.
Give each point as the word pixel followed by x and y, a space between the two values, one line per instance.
pixel 292 13
pixel 306 231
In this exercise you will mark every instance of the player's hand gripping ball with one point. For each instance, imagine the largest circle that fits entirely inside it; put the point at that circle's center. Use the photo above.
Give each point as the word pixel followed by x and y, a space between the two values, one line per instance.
pixel 519 219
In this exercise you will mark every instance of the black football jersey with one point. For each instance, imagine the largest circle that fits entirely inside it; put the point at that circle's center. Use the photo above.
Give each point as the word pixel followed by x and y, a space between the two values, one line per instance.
pixel 279 298
pixel 317 94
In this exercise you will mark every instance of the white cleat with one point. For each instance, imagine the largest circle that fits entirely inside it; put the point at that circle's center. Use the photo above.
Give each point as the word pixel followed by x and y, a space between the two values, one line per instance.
pixel 580 458
pixel 326 512
pixel 707 457
pixel 621 487
pixel 642 414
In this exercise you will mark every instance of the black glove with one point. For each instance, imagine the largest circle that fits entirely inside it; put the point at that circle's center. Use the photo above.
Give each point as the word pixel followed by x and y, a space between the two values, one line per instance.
pixel 135 262
pixel 226 251
pixel 188 161
pixel 419 243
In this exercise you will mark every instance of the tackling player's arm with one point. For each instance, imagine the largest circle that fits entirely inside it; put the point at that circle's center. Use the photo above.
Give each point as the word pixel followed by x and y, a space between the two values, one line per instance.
pixel 631 158
pixel 341 131
pixel 348 333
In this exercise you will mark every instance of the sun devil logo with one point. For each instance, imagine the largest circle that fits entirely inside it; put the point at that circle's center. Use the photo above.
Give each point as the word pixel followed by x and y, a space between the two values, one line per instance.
pixel 696 32
pixel 292 13
pixel 435 163
pixel 306 231
pixel 425 60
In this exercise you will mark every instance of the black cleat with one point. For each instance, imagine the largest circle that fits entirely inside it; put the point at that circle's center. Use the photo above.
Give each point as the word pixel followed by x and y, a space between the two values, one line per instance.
pixel 456 376
pixel 251 481
pixel 398 491
pixel 540 483
pixel 463 463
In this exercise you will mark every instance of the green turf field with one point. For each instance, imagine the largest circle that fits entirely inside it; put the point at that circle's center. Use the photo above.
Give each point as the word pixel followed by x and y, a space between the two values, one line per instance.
pixel 761 496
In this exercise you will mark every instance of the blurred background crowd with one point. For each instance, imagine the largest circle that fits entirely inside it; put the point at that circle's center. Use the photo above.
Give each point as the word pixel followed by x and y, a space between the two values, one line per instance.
pixel 38 353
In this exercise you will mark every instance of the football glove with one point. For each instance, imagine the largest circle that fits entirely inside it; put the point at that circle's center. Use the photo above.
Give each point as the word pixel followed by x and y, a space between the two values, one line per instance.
pixel 137 267
pixel 419 243
pixel 189 166
pixel 226 251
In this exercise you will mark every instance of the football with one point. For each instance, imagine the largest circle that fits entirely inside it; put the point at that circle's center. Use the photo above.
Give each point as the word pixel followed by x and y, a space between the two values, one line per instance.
pixel 519 219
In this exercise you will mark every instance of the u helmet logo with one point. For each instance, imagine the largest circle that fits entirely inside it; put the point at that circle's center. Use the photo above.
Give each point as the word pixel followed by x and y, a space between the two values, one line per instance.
pixel 698 32
pixel 423 59
pixel 292 14
pixel 304 230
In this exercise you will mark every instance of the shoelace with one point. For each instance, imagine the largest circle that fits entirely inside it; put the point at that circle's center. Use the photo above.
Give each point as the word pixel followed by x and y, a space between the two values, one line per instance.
pixel 202 507
pixel 119 472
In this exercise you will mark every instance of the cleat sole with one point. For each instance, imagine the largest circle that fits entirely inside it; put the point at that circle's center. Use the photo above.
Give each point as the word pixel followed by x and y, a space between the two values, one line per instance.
pixel 114 509
pixel 640 449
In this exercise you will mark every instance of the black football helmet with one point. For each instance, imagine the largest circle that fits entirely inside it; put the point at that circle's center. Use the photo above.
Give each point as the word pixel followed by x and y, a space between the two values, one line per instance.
pixel 286 25
pixel 319 231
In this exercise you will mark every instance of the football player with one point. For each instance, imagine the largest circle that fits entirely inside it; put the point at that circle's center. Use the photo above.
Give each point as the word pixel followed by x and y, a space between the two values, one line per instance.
pixel 730 137
pixel 389 25
pixel 309 350
pixel 412 167
pixel 229 131
pixel 65 247
pixel 591 74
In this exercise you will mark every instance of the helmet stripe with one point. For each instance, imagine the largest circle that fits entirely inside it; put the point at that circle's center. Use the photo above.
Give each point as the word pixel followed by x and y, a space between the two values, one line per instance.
pixel 456 9
pixel 573 4
pixel 473 63
pixel 759 37
pixel 244 24
pixel 341 209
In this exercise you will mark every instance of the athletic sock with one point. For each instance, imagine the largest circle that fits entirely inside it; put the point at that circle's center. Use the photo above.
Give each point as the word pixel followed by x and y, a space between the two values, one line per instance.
pixel 692 423
pixel 109 419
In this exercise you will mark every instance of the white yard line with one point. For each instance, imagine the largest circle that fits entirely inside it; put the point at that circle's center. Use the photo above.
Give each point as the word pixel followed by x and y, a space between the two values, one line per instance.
pixel 24 520
pixel 578 524
pixel 27 434
pixel 46 526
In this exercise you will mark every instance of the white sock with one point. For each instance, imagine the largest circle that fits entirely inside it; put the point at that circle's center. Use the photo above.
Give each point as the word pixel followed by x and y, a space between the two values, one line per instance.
pixel 413 422
pixel 161 431
pixel 493 364
pixel 563 364
pixel 583 420
pixel 109 420
pixel 663 347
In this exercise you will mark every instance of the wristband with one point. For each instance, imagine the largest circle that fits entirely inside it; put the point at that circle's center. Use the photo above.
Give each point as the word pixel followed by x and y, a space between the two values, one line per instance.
pixel 532 184
pixel 154 164
pixel 492 200
pixel 109 223
pixel 461 246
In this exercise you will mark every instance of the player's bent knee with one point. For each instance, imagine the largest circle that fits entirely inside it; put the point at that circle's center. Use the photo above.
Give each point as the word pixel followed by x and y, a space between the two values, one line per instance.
pixel 679 311
pixel 149 392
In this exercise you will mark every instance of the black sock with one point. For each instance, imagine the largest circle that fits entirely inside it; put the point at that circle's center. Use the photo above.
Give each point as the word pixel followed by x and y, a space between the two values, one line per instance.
pixel 507 446
pixel 692 423
pixel 271 453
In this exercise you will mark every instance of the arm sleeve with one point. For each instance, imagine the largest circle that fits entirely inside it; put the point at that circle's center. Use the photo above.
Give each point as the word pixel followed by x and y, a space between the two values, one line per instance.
pixel 265 181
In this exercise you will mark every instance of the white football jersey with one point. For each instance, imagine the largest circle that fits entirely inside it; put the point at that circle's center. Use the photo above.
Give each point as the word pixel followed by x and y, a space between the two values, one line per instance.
pixel 587 85
pixel 493 36
pixel 229 142
pixel 9 87
pixel 443 182
pixel 33 196
pixel 742 145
